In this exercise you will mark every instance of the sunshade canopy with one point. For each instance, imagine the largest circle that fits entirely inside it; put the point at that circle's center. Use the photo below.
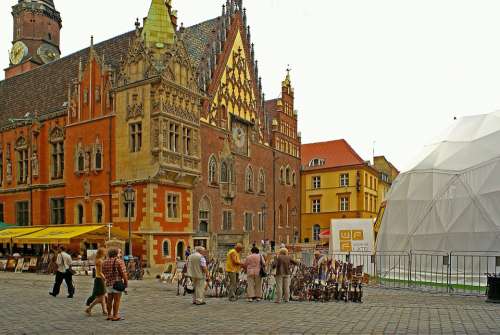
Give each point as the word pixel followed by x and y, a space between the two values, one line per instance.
pixel 64 234
pixel 6 235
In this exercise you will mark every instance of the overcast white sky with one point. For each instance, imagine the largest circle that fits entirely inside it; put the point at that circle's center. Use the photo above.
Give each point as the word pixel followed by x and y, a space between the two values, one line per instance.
pixel 391 71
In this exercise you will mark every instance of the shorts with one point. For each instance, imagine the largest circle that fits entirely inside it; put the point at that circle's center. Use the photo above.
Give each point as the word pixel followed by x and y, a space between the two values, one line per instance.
pixel 111 290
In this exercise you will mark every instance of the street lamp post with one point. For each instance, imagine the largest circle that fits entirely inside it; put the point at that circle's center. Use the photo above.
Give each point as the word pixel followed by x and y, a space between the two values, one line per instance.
pixel 129 196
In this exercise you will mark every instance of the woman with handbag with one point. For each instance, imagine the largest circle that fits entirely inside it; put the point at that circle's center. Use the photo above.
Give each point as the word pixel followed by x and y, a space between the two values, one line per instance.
pixel 115 274
pixel 99 292
pixel 255 266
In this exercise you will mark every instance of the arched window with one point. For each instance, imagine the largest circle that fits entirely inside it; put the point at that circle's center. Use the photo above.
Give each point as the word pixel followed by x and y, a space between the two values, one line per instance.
pixel 282 175
pixel 212 170
pixel 57 153
pixel 280 216
pixel 288 175
pixel 262 181
pixel 180 250
pixel 294 179
pixel 249 179
pixel 316 232
pixel 98 159
pixel 98 212
pixel 81 161
pixel 166 248
pixel 79 214
pixel 204 215
pixel 224 177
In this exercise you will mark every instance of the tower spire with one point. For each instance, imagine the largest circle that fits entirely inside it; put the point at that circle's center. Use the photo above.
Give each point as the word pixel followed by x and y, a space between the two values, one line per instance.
pixel 158 27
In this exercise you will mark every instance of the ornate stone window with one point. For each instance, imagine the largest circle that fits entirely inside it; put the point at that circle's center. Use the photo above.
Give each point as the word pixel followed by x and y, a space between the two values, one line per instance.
pixel 173 137
pixel 81 161
pixel 204 215
pixel 22 213
pixel 249 179
pixel 173 206
pixel 22 160
pixel 262 181
pixel 224 173
pixel 166 248
pixel 282 175
pixel 98 212
pixel 79 214
pixel 57 211
pixel 187 141
pixel 288 176
pixel 294 179
pixel 135 130
pixel 227 220
pixel 97 154
pixel 57 153
pixel 248 222
pixel 212 170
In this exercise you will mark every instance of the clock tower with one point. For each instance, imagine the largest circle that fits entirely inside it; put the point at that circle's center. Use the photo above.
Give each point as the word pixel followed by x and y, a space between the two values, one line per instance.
pixel 37 27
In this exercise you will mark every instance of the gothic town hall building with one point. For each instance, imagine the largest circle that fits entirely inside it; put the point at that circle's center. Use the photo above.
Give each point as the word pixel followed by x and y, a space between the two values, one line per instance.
pixel 176 112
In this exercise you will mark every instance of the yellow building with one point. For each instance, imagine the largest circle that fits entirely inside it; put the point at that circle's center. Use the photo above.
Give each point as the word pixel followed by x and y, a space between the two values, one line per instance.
pixel 387 174
pixel 336 183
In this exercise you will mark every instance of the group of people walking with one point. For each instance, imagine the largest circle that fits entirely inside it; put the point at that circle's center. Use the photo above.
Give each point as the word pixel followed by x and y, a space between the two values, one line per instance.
pixel 254 265
pixel 110 281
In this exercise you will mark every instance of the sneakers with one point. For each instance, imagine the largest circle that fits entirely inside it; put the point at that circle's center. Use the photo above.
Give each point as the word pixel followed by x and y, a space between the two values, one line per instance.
pixel 52 294
pixel 70 296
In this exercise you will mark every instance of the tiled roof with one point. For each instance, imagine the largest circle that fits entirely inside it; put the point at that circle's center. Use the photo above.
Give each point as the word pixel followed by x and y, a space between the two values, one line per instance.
pixel 334 153
pixel 44 90
pixel 197 38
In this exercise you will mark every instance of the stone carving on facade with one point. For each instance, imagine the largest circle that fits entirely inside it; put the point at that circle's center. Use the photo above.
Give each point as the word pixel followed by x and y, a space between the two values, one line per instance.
pixel 135 110
pixel 8 175
pixel 35 164
pixel 86 189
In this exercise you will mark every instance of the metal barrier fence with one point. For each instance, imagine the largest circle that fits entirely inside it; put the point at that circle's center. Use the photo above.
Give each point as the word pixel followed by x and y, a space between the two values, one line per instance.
pixel 462 273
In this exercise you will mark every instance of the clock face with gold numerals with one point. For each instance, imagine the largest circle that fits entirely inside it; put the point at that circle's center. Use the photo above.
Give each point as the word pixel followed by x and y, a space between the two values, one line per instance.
pixel 48 53
pixel 240 137
pixel 18 52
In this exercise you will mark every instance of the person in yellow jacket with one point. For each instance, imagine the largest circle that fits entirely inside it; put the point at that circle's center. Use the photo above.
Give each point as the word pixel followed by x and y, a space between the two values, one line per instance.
pixel 233 268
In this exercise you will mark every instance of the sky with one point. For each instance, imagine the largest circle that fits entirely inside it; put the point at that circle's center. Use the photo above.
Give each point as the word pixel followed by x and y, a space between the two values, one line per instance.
pixel 386 75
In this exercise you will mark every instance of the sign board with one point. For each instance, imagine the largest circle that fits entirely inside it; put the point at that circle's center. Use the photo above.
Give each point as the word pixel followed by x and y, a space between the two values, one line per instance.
pixel 351 235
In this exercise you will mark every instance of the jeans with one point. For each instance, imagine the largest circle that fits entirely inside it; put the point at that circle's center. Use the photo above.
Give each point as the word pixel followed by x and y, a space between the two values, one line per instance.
pixel 68 278
pixel 233 283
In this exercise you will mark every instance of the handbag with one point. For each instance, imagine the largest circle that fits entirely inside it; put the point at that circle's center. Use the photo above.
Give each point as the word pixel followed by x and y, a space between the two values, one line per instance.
pixel 118 285
pixel 262 272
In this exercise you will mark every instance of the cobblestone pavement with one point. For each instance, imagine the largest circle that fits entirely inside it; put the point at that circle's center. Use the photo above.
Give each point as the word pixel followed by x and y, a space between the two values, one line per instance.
pixel 152 307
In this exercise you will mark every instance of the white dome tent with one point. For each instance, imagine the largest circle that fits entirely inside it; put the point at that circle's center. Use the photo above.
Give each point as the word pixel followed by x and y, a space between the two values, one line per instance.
pixel 448 202
pixel 450 199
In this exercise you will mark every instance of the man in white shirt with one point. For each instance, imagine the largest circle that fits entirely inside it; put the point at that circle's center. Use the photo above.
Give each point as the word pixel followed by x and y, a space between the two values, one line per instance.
pixel 63 262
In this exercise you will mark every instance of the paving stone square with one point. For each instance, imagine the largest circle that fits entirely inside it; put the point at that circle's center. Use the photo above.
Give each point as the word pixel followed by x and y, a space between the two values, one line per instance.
pixel 154 308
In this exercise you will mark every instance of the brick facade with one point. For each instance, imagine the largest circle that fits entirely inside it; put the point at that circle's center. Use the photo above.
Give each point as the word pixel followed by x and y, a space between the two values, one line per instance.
pixel 154 114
